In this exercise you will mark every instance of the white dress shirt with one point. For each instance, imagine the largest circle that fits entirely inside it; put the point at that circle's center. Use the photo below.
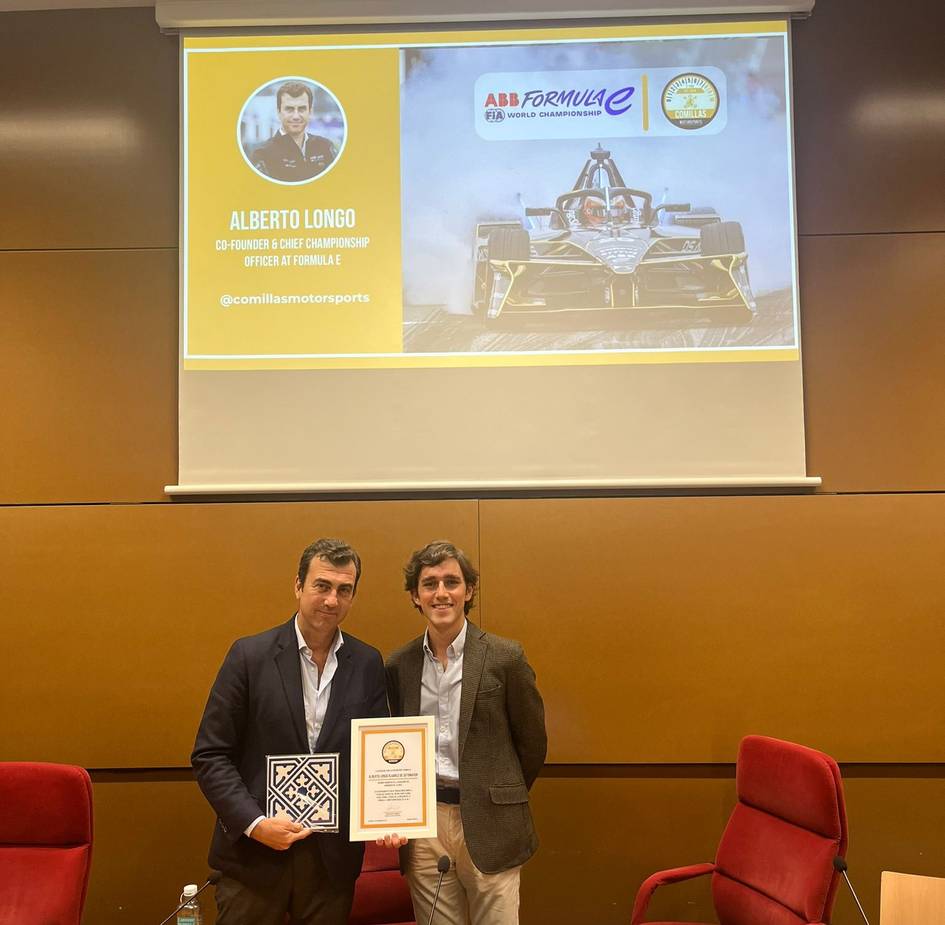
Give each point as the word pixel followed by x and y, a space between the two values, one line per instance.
pixel 316 690
pixel 440 692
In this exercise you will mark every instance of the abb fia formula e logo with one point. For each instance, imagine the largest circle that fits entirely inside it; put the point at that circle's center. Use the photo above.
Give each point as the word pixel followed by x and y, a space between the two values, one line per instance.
pixel 557 102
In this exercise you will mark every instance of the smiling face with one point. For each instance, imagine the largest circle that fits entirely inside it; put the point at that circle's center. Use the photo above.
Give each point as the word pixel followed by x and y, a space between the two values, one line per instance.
pixel 441 596
pixel 294 113
pixel 325 597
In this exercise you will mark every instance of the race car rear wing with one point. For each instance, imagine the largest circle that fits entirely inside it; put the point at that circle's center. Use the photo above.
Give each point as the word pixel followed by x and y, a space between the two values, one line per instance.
pixel 483 228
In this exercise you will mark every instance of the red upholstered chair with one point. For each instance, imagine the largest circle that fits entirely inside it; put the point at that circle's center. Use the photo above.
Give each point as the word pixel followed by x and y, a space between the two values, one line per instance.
pixel 45 843
pixel 775 861
pixel 381 895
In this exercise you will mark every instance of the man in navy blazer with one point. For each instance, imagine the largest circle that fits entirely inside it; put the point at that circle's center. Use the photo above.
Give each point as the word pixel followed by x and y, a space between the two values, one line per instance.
pixel 291 690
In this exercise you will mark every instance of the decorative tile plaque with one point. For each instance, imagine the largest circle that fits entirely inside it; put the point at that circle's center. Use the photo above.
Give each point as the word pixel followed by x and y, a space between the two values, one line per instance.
pixel 305 788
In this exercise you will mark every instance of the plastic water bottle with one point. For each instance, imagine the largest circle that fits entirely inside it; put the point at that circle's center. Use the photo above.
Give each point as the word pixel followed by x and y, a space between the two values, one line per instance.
pixel 189 914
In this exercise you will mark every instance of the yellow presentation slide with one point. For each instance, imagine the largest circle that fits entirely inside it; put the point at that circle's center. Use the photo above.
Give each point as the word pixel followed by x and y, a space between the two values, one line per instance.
pixel 518 197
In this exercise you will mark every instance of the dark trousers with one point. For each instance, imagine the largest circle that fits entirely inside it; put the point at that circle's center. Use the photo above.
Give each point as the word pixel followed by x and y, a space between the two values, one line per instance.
pixel 305 892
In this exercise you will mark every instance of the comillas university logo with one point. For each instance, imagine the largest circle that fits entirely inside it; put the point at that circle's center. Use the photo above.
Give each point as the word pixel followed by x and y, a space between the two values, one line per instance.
pixel 690 101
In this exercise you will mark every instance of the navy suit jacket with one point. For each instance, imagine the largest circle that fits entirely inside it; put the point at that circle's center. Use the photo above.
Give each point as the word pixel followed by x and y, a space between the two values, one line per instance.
pixel 256 709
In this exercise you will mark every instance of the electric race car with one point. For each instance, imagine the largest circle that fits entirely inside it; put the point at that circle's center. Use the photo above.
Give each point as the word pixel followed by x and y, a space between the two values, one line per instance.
pixel 605 246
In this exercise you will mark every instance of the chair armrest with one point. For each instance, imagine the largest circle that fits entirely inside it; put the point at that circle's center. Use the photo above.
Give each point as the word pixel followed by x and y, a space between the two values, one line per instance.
pixel 661 878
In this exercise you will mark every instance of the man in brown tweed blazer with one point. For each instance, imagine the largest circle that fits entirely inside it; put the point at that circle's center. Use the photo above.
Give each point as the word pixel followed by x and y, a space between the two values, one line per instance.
pixel 490 745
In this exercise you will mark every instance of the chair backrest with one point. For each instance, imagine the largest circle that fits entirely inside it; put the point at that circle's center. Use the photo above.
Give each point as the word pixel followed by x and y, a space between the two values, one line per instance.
pixel 775 860
pixel 908 899
pixel 45 842
pixel 381 895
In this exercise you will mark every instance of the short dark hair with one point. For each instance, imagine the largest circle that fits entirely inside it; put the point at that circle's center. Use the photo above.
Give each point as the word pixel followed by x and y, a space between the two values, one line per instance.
pixel 337 552
pixel 433 554
pixel 295 88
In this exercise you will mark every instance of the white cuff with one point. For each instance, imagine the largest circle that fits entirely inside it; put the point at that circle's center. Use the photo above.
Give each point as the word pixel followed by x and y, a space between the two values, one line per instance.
pixel 249 829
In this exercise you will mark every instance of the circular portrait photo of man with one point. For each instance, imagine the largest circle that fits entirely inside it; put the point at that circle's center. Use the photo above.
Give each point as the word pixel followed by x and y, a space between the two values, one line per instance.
pixel 292 130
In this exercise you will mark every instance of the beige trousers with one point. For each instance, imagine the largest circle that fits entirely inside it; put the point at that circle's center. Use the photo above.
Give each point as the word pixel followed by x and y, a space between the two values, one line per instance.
pixel 468 896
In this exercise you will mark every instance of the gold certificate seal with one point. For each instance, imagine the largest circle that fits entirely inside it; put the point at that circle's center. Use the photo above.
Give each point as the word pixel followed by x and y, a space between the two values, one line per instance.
pixel 392 752
pixel 690 101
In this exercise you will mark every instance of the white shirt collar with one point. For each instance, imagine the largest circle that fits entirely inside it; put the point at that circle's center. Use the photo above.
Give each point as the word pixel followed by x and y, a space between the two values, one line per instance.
pixel 303 645
pixel 455 648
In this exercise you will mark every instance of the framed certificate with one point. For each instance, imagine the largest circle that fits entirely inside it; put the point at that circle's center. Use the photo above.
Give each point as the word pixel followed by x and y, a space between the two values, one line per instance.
pixel 393 777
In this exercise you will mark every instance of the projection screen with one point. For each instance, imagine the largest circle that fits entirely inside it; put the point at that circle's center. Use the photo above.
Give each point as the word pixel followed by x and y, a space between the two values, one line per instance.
pixel 560 257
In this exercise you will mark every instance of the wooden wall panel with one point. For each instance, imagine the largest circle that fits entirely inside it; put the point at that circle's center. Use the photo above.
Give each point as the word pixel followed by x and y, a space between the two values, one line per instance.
pixel 600 837
pixel 150 838
pixel 665 629
pixel 873 338
pixel 88 130
pixel 895 824
pixel 88 375
pixel 120 616
pixel 869 132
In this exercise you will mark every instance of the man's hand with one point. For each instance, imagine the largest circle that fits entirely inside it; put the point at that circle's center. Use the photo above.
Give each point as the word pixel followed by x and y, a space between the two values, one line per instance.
pixel 279 832
pixel 391 841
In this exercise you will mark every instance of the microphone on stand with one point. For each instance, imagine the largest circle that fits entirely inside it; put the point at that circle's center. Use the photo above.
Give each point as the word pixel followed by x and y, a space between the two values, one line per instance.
pixel 840 865
pixel 213 879
pixel 442 865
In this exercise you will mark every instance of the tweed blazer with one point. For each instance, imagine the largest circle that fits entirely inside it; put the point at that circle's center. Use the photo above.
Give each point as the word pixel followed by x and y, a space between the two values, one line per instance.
pixel 502 742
